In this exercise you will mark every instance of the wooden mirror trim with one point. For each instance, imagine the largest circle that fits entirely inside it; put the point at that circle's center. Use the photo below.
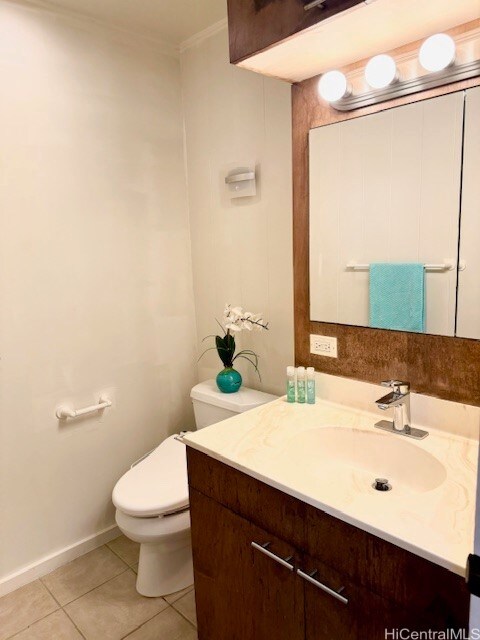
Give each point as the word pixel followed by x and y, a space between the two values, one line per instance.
pixel 440 366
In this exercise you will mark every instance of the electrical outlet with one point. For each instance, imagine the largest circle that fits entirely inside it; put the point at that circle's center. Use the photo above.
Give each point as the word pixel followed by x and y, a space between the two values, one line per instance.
pixel 323 346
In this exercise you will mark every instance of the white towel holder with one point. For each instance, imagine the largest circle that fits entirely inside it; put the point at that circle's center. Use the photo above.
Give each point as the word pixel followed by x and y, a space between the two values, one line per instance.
pixel 448 265
pixel 65 412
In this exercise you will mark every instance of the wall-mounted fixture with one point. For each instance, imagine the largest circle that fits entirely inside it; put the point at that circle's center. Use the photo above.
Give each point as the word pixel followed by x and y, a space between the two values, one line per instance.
pixel 437 52
pixel 448 265
pixel 241 182
pixel 314 4
pixel 64 412
pixel 333 86
pixel 381 71
pixel 437 56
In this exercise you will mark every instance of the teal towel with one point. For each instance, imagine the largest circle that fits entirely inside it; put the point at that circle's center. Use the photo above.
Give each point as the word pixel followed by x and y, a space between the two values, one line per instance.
pixel 397 296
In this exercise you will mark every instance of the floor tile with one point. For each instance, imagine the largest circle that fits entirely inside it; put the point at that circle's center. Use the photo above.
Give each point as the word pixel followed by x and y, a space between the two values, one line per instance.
pixel 178 594
pixel 186 606
pixel 126 549
pixel 83 574
pixel 23 607
pixel 56 626
pixel 135 567
pixel 114 609
pixel 168 625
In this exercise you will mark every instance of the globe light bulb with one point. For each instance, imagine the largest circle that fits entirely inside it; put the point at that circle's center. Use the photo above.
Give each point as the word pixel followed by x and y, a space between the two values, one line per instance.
pixel 437 52
pixel 381 71
pixel 333 86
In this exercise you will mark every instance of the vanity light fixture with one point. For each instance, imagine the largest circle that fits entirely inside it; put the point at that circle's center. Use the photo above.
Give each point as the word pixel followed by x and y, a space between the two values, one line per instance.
pixel 381 71
pixel 333 86
pixel 437 56
pixel 437 52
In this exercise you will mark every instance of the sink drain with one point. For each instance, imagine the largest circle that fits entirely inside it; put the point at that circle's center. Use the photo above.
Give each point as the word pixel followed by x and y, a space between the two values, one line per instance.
pixel 381 484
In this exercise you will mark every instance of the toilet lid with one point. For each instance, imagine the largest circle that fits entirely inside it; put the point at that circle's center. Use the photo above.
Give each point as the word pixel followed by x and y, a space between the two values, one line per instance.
pixel 157 485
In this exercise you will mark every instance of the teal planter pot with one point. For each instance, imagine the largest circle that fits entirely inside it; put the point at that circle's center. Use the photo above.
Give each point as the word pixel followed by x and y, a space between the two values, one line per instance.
pixel 229 380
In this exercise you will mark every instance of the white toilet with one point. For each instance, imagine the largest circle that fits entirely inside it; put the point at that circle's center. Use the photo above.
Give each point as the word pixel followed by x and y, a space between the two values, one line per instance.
pixel 152 497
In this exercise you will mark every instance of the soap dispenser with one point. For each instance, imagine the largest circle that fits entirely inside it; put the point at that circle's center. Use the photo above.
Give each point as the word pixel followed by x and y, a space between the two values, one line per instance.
pixel 301 385
pixel 310 385
pixel 290 384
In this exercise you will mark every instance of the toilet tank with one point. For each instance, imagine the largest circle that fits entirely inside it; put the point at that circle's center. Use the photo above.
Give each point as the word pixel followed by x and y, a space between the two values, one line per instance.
pixel 211 405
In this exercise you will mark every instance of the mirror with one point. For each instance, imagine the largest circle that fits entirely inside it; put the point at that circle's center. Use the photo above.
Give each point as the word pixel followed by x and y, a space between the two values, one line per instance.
pixel 395 218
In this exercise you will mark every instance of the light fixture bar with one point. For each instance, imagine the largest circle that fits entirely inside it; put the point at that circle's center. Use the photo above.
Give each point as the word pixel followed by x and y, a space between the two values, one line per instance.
pixel 313 4
pixel 240 177
pixel 453 73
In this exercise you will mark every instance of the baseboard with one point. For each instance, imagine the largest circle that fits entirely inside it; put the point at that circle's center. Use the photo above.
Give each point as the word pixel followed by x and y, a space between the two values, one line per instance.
pixel 55 560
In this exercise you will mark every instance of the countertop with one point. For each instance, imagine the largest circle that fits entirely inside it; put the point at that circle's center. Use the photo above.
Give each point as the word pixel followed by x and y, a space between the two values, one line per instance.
pixel 436 524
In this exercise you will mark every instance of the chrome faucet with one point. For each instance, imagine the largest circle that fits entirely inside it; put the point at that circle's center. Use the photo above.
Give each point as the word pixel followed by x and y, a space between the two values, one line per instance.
pixel 399 400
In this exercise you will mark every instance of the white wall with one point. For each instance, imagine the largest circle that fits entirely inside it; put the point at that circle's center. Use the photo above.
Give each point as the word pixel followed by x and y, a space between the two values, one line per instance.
pixel 95 271
pixel 390 191
pixel 241 250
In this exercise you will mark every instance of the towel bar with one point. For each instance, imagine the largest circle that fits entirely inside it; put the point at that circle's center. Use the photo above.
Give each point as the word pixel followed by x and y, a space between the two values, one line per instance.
pixel 63 412
pixel 448 265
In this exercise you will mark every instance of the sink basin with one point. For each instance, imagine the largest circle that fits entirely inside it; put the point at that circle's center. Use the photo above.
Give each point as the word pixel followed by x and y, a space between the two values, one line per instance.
pixel 342 459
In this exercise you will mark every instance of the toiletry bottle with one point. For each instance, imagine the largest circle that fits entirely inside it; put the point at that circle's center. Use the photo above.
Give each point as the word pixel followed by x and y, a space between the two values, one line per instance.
pixel 290 384
pixel 310 385
pixel 301 385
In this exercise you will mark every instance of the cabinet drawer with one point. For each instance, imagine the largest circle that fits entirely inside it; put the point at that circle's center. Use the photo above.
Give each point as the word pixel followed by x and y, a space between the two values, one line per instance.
pixel 256 25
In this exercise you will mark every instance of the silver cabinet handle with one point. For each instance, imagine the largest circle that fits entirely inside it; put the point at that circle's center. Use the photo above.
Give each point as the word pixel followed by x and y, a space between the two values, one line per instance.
pixel 283 561
pixel 309 578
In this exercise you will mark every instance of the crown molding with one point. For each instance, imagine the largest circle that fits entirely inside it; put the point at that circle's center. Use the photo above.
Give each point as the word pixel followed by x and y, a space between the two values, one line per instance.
pixel 203 35
pixel 142 37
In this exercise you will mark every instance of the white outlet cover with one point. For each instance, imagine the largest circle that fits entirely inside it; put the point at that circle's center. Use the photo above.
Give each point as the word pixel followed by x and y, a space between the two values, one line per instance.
pixel 323 346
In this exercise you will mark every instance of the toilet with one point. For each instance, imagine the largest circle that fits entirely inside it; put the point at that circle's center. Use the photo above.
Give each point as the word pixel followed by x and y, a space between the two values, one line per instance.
pixel 152 497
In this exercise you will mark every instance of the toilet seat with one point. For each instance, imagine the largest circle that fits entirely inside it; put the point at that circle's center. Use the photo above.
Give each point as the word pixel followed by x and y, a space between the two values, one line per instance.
pixel 157 485
pixel 175 527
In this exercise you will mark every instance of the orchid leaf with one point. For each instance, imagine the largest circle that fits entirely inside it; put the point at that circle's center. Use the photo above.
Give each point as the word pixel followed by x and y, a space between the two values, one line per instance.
pixel 221 326
pixel 206 351
pixel 253 365
pixel 226 348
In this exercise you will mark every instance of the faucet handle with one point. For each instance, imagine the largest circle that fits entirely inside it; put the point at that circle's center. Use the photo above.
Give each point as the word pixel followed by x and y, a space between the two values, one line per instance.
pixel 397 385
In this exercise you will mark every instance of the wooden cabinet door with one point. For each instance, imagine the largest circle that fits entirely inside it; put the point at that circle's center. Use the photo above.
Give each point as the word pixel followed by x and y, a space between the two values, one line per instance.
pixel 330 603
pixel 241 592
pixel 342 610
pixel 256 25
pixel 362 614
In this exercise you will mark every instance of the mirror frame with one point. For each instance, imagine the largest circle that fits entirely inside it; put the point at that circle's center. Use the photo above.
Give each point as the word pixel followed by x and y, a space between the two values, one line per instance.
pixel 440 366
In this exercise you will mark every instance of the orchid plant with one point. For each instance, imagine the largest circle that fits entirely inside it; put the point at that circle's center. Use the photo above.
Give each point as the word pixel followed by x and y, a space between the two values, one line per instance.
pixel 235 319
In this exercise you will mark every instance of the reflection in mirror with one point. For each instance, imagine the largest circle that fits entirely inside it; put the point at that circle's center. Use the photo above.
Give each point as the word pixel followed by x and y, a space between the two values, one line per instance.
pixel 468 309
pixel 384 217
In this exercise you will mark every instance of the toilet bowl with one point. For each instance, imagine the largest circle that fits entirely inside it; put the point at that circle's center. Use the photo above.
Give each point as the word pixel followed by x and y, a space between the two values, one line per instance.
pixel 152 497
pixel 165 563
pixel 152 509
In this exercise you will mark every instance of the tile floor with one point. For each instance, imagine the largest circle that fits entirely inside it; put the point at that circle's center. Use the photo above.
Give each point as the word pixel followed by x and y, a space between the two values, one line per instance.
pixel 94 598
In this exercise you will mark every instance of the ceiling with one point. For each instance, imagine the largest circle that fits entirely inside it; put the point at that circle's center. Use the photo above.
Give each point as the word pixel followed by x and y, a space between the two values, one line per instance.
pixel 172 20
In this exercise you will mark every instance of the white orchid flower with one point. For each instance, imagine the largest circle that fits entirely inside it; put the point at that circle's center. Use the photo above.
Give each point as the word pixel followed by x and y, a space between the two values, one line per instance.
pixel 236 319
pixel 232 327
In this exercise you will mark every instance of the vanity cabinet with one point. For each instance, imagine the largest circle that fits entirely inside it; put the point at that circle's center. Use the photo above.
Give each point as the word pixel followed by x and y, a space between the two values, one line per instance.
pixel 307 575
pixel 256 25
